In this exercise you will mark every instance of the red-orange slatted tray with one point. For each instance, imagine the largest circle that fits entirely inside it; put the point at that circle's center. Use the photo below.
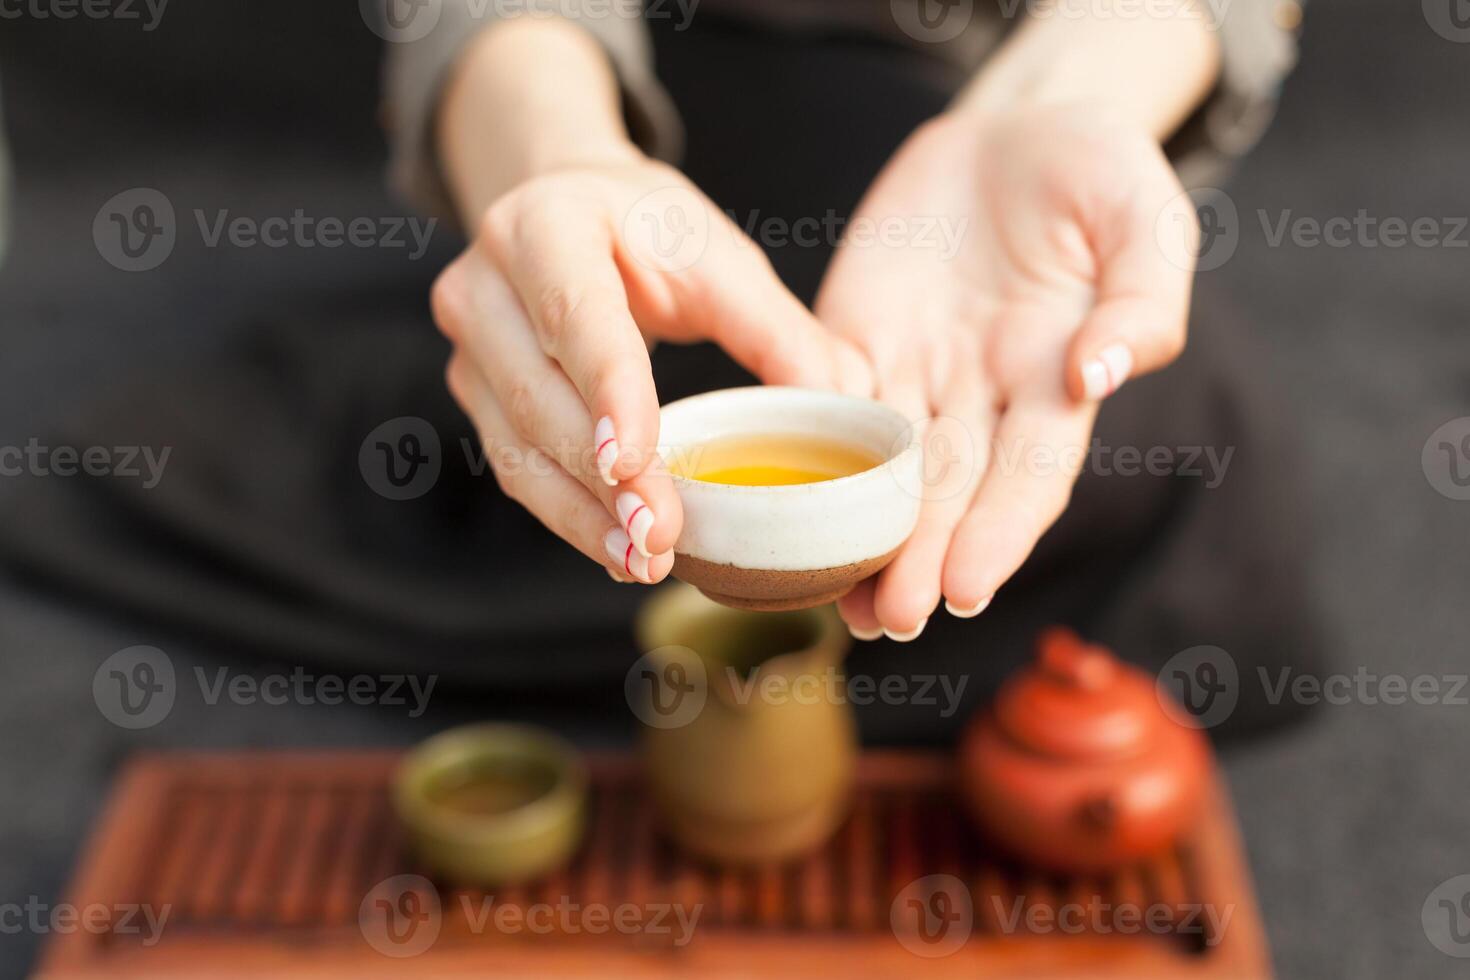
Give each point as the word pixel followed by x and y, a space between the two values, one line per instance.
pixel 264 859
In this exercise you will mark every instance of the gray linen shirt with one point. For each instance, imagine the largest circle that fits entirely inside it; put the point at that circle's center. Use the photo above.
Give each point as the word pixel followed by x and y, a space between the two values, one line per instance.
pixel 1258 41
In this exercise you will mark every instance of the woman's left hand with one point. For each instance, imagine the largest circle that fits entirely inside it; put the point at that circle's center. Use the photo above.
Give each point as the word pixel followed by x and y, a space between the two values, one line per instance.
pixel 1004 274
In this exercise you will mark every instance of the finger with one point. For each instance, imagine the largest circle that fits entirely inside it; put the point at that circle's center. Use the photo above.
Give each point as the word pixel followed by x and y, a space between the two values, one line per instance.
pixel 738 301
pixel 955 444
pixel 559 257
pixel 1040 447
pixel 533 480
pixel 539 401
pixel 856 609
pixel 1139 320
pixel 546 412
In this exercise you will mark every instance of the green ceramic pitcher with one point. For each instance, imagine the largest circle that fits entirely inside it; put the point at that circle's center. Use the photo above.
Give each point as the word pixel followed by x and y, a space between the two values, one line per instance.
pixel 749 742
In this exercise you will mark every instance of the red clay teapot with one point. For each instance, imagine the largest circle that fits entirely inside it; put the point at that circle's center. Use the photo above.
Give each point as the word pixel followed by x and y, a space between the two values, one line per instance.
pixel 1077 767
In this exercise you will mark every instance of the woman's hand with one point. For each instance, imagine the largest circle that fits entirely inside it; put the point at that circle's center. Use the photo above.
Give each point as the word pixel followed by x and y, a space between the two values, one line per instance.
pixel 551 310
pixel 1055 293
pixel 584 253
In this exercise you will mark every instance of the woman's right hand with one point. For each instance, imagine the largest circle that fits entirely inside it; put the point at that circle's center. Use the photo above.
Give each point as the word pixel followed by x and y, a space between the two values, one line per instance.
pixel 571 276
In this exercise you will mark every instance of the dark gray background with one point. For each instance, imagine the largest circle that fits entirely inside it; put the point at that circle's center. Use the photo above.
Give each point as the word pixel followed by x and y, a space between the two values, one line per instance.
pixel 1351 819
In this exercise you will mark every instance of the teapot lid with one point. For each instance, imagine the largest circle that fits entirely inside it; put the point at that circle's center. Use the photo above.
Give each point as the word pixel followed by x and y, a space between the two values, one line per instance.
pixel 1077 701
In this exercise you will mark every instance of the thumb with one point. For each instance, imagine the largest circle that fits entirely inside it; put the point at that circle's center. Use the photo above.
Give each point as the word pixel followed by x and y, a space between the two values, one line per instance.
pixel 1139 320
pixel 1121 339
pixel 743 306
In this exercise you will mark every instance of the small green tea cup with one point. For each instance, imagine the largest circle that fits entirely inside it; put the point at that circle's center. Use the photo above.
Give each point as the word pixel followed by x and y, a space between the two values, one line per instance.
pixel 493 804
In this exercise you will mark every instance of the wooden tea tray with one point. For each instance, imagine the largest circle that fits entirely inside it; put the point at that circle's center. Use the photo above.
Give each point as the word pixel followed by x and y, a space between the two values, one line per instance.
pixel 263 861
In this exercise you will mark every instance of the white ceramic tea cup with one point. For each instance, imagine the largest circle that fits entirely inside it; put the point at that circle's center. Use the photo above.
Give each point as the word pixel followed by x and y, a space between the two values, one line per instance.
pixel 792 546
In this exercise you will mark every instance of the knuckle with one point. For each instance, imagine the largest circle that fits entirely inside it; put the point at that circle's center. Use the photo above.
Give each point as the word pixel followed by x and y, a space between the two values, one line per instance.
pixel 600 380
pixel 498 220
pixel 556 306
pixel 521 407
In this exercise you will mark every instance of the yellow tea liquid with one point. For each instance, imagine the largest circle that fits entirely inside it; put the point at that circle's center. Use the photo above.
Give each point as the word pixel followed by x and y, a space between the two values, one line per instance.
pixel 771 460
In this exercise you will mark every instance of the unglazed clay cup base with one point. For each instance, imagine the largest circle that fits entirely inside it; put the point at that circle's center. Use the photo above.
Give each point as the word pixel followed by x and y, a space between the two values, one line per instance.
pixel 768 590
pixel 795 546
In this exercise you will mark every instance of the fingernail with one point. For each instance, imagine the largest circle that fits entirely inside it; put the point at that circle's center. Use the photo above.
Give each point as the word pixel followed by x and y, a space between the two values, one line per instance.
pixel 607 449
pixel 1107 371
pixel 970 613
pixel 637 520
pixel 910 635
pixel 865 635
pixel 620 549
pixel 618 576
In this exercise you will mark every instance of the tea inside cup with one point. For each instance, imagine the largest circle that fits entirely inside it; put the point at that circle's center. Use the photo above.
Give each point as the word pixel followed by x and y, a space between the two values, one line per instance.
pixel 791 497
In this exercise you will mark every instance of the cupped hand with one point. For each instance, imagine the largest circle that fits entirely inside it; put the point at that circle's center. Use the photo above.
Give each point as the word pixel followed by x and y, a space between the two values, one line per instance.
pixel 1010 277
pixel 551 311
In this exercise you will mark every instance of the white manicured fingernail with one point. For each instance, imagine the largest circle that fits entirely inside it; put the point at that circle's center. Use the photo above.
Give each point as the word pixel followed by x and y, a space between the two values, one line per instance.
pixel 606 441
pixel 1107 371
pixel 970 613
pixel 618 576
pixel 865 635
pixel 910 635
pixel 637 520
pixel 620 549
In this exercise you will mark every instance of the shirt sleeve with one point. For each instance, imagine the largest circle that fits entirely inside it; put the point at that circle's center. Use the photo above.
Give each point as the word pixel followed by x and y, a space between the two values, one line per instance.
pixel 416 70
pixel 1258 42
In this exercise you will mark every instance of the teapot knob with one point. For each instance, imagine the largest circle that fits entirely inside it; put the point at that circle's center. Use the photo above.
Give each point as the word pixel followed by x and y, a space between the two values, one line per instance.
pixel 1099 813
pixel 1069 661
